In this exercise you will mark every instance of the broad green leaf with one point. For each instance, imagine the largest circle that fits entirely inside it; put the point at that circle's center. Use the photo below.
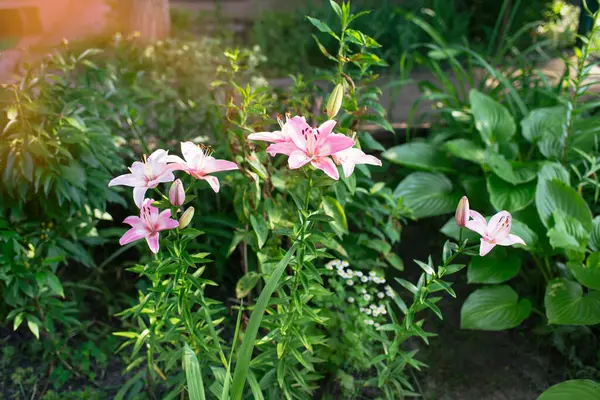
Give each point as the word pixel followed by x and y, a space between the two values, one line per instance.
pixel 465 149
pixel 193 374
pixel 588 275
pixel 246 284
pixel 566 304
pixel 554 171
pixel 427 194
pixel 33 327
pixel 494 268
pixel 578 389
pixel 54 284
pixel 509 197
pixel 547 128
pixel 395 261
pixel 320 25
pixel 567 232
pixel 260 228
pixel 554 195
pixel 492 119
pixel 419 155
pixel 333 208
pixel 494 308
pixel 511 172
pixel 524 232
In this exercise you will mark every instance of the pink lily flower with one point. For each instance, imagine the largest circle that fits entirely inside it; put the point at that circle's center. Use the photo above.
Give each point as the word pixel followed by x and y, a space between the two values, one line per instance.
pixel 312 145
pixel 495 232
pixel 280 136
pixel 147 225
pixel 349 158
pixel 199 163
pixel 146 175
pixel 462 212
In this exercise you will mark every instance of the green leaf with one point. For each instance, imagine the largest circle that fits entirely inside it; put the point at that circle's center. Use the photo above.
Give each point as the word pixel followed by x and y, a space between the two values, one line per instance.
pixel 395 261
pixel 524 232
pixel 492 119
pixel 509 197
pixel 494 308
pixel 322 26
pixel 494 268
pixel 509 171
pixel 333 208
pixel 594 241
pixel 336 8
pixel 260 228
pixel 578 389
pixel 33 327
pixel 567 305
pixel 552 195
pixel 465 149
pixel 246 284
pixel 588 276
pixel 451 230
pixel 360 38
pixel 419 155
pixel 567 232
pixel 193 374
pixel 324 50
pixel 54 284
pixel 245 352
pixel 546 127
pixel 427 194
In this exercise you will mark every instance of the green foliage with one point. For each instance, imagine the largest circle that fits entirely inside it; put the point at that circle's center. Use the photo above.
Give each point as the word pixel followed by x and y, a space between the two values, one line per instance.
pixel 494 308
pixel 576 389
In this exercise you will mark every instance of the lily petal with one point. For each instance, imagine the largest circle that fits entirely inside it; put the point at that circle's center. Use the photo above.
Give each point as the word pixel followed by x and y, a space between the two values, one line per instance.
pixel 298 125
pixel 127 180
pixel 213 165
pixel 485 247
pixel 213 181
pixel 510 240
pixel 139 192
pixel 326 165
pixel 190 152
pixel 272 137
pixel 286 148
pixel 165 221
pixel 132 235
pixel 499 225
pixel 152 241
pixel 476 225
pixel 298 159
pixel 333 143
pixel 326 128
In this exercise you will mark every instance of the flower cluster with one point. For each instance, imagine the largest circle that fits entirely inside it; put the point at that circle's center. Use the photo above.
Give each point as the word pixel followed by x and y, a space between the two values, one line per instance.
pixel 158 168
pixel 495 232
pixel 320 147
pixel 364 290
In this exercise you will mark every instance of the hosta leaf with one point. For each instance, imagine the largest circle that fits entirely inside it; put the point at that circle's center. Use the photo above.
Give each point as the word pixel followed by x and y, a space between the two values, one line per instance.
pixel 579 389
pixel 524 232
pixel 566 304
pixel 494 308
pixel 492 119
pixel 509 197
pixel 567 232
pixel 494 268
pixel 546 127
pixel 511 172
pixel 451 230
pixel 554 195
pixel 427 194
pixel 465 149
pixel 588 276
pixel 594 241
pixel 419 155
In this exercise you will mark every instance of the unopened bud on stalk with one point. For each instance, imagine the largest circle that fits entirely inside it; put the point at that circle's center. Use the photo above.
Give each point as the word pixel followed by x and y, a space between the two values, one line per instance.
pixel 335 101
pixel 462 212
pixel 186 218
pixel 177 193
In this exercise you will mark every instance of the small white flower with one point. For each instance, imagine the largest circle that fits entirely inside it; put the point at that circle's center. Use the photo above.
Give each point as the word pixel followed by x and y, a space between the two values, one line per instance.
pixel 361 309
pixel 358 273
pixel 341 272
pixel 380 295
pixel 376 313
pixel 368 311
pixel 367 297
pixel 350 273
pixel 372 306
pixel 350 299
pixel 364 279
pixel 372 273
pixel 345 263
pixel 377 325
pixel 349 282
pixel 329 266
pixel 382 280
pixel 369 321
pixel 384 311
pixel 363 291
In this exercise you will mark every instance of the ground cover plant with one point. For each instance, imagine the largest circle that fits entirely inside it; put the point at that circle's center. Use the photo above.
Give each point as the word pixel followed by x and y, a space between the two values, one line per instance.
pixel 173 226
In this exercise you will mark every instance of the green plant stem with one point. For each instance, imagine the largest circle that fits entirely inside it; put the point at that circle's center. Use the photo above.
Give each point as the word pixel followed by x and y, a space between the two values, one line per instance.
pixel 541 268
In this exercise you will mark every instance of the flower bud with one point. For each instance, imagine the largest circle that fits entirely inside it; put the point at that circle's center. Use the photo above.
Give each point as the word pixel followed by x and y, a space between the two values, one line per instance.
pixel 186 218
pixel 462 212
pixel 335 101
pixel 177 193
